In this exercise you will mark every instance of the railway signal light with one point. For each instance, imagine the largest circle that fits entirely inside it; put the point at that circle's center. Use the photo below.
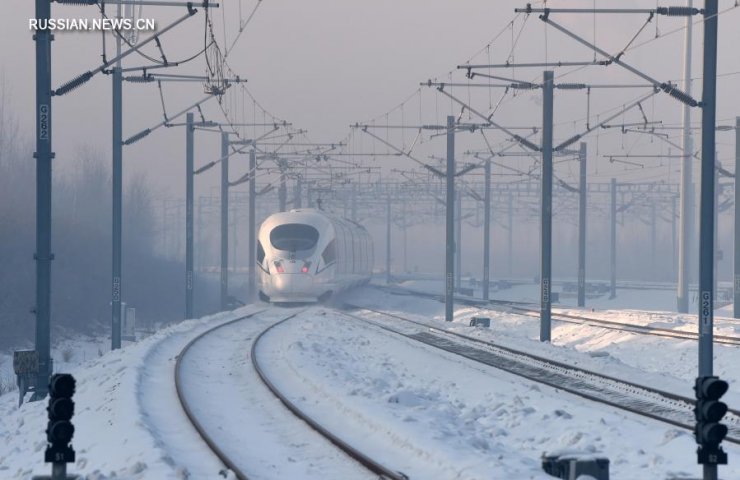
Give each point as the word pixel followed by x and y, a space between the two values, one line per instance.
pixel 709 411
pixel 60 430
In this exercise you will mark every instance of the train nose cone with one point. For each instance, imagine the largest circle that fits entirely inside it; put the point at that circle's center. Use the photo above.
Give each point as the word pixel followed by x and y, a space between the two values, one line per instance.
pixel 280 282
pixel 301 282
pixel 292 283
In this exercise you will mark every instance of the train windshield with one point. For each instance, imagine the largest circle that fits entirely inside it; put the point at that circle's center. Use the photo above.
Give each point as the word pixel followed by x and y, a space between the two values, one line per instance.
pixel 293 237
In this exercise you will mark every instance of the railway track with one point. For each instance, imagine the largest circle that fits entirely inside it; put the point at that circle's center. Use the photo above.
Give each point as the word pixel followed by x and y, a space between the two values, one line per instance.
pixel 524 308
pixel 649 402
pixel 212 445
pixel 368 463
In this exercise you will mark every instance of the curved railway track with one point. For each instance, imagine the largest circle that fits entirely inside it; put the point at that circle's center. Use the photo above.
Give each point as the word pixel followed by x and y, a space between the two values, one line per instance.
pixel 649 402
pixel 382 471
pixel 367 462
pixel 526 309
pixel 189 411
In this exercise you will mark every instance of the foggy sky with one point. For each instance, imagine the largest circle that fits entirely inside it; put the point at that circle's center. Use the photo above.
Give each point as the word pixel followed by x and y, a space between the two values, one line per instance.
pixel 323 65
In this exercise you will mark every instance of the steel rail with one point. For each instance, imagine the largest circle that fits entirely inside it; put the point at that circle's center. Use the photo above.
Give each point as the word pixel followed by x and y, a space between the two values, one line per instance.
pixel 520 308
pixel 579 372
pixel 375 467
pixel 186 406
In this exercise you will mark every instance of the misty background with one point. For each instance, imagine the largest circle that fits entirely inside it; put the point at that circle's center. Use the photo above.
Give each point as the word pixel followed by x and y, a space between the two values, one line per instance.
pixel 324 65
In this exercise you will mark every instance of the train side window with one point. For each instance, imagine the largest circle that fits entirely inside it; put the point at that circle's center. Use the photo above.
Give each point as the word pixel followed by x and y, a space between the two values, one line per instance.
pixel 345 248
pixel 260 253
pixel 353 253
pixel 330 253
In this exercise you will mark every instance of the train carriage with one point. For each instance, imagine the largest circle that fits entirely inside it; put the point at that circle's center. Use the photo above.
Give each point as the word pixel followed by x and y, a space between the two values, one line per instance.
pixel 306 255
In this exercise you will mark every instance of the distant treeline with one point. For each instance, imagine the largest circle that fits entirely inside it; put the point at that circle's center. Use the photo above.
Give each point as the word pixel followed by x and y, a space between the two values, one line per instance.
pixel 81 243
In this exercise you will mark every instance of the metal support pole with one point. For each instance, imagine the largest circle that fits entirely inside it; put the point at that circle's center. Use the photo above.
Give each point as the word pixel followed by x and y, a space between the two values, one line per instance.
pixel 458 241
pixel 653 237
pixel 706 230
pixel 674 240
pixel 707 206
pixel 234 237
pixel 224 220
pixel 199 236
pixel 405 239
pixel 684 257
pixel 546 230
pixel 251 257
pixel 58 471
pixel 43 156
pixel 736 273
pixel 388 241
pixel 582 194
pixel 117 200
pixel 189 190
pixel 510 242
pixel 354 203
pixel 298 194
pixel 282 193
pixel 715 255
pixel 613 241
pixel 450 222
pixel 487 231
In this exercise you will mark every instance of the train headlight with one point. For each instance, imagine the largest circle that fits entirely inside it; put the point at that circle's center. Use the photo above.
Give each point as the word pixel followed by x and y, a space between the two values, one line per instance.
pixel 305 267
pixel 279 267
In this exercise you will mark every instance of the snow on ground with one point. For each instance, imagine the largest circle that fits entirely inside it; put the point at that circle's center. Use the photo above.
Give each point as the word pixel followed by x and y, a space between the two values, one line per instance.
pixel 435 415
pixel 114 437
pixel 432 415
pixel 670 364
pixel 243 417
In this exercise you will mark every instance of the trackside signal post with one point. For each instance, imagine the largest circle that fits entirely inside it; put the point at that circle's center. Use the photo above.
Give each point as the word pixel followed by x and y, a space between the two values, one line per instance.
pixel 59 430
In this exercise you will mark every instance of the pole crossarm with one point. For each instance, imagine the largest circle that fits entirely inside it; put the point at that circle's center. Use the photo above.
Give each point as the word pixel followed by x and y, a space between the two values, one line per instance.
pixel 403 153
pixel 488 118
pixel 235 151
pixel 522 85
pixel 149 3
pixel 668 11
pixel 589 129
pixel 535 65
pixel 153 77
pixel 165 123
pixel 85 77
pixel 666 87
pixel 694 155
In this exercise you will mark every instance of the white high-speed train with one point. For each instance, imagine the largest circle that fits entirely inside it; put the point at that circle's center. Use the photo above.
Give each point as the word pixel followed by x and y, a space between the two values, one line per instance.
pixel 306 255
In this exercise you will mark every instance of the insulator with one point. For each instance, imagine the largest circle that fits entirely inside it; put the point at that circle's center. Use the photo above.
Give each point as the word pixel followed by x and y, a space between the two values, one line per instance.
pixel 141 79
pixel 568 142
pixel 571 86
pixel 204 168
pixel 524 86
pixel 527 143
pixel 679 95
pixel 74 83
pixel 138 136
pixel 77 2
pixel 678 11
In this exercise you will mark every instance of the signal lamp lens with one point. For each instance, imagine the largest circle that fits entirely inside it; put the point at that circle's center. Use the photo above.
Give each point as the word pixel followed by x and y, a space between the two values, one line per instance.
pixel 61 409
pixel 60 432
